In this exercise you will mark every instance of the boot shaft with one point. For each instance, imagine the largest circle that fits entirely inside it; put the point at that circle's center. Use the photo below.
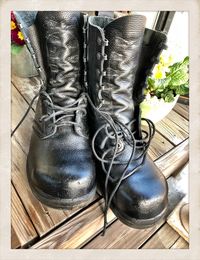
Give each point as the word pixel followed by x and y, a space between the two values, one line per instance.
pixel 55 41
pixel 154 42
pixel 113 53
pixel 61 42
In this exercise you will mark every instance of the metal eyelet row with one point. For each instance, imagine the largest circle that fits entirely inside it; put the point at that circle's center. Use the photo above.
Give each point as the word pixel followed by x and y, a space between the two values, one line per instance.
pixel 103 42
pixel 85 24
pixel 101 56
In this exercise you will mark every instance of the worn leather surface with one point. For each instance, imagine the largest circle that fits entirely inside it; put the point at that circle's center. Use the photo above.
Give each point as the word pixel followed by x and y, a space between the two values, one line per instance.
pixel 143 195
pixel 61 165
pixel 124 37
pixel 61 44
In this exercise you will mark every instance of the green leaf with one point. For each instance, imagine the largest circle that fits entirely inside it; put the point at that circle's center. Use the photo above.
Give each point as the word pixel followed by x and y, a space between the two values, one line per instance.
pixel 186 60
pixel 15 49
pixel 182 89
pixel 151 83
pixel 169 97
pixel 175 82
pixel 161 84
pixel 183 65
pixel 178 78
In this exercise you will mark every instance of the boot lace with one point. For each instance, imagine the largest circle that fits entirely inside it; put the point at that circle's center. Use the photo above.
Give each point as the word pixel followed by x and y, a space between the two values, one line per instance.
pixel 58 115
pixel 119 133
pixel 61 116
pixel 116 135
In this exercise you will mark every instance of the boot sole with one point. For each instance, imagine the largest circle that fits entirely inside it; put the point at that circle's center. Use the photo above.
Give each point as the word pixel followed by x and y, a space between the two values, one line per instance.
pixel 60 203
pixel 139 223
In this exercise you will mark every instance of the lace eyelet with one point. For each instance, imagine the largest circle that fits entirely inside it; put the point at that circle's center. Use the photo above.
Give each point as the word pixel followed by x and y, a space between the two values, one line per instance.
pixel 99 95
pixel 98 56
pixel 97 85
pixel 120 146
pixel 106 42
pixel 97 72
pixel 102 87
pixel 99 41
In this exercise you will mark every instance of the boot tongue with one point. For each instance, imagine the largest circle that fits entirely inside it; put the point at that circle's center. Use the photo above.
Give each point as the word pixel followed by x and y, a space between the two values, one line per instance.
pixel 60 39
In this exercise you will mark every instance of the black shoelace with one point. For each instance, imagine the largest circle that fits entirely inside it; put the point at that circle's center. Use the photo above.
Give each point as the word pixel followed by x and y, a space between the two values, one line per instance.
pixel 115 130
pixel 59 115
pixel 120 133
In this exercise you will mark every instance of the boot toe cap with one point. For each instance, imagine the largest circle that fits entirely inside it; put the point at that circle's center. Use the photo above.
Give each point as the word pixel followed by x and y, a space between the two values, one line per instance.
pixel 142 198
pixel 70 181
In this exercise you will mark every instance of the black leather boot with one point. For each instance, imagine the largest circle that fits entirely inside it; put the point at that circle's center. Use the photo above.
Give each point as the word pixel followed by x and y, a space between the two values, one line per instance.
pixel 130 182
pixel 60 165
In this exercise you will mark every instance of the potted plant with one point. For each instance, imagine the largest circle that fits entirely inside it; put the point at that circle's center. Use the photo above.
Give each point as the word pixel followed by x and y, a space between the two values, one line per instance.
pixel 164 87
pixel 21 61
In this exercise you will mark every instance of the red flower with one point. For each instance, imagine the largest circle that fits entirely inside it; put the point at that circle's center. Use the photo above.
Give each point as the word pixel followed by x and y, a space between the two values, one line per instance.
pixel 16 35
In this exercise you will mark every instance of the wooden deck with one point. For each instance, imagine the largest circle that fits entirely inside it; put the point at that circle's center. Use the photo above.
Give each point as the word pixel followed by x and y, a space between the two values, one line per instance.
pixel 36 226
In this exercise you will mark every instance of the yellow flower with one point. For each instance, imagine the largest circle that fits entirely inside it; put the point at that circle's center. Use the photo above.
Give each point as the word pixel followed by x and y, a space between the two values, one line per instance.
pixel 13 25
pixel 159 74
pixel 159 71
pixel 20 36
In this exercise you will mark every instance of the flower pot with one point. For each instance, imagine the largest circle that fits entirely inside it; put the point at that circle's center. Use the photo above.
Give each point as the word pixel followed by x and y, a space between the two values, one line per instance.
pixel 21 62
pixel 156 109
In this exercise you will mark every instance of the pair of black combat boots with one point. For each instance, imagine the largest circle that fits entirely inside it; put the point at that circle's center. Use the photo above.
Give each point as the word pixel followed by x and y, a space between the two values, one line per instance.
pixel 87 128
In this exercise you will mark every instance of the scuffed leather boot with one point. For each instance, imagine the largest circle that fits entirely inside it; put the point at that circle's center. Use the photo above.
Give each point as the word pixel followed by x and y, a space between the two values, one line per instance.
pixel 60 165
pixel 130 182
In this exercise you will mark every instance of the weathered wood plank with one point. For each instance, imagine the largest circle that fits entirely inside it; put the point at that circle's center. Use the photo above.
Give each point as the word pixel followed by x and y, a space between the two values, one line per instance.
pixel 78 230
pixel 184 106
pixel 165 237
pixel 175 159
pixel 28 87
pixel 159 146
pixel 120 236
pixel 175 222
pixel 15 243
pixel 74 235
pixel 182 110
pixel 21 224
pixel 19 107
pixel 180 244
pixel 171 131
pixel 179 120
